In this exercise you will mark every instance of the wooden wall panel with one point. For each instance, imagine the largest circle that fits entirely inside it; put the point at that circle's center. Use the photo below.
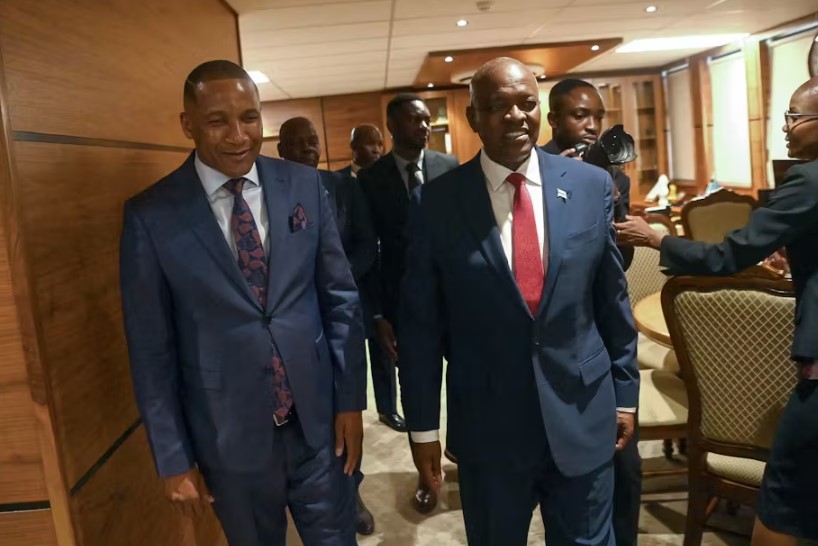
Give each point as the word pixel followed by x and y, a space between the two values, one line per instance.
pixel 106 507
pixel 113 70
pixel 70 200
pixel 342 114
pixel 466 142
pixel 31 528
pixel 702 119
pixel 21 470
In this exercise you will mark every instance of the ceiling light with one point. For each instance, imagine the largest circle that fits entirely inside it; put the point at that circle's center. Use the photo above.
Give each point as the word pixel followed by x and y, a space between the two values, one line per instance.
pixel 430 85
pixel 680 42
pixel 258 76
pixel 594 47
pixel 449 59
pixel 650 9
pixel 462 23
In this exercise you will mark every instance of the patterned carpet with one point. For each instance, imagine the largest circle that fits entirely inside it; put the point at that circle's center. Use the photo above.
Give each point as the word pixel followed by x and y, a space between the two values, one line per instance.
pixel 391 477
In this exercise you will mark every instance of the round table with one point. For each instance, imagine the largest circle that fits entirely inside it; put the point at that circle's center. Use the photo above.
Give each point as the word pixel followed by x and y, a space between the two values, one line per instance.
pixel 650 320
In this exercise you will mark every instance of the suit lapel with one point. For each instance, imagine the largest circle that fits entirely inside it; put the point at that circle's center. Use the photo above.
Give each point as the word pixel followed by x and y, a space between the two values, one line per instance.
pixel 195 208
pixel 476 209
pixel 553 179
pixel 277 200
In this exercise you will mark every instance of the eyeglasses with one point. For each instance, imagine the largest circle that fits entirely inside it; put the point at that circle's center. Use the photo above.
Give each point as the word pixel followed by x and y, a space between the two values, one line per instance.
pixel 792 117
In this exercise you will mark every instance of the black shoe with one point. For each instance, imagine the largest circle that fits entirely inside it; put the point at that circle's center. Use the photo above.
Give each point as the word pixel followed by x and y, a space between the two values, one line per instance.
pixel 393 421
pixel 364 522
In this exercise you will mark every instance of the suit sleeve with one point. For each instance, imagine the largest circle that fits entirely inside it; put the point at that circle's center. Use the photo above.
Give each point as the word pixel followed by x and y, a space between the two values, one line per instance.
pixel 420 335
pixel 149 328
pixel 340 313
pixel 612 312
pixel 791 211
pixel 364 244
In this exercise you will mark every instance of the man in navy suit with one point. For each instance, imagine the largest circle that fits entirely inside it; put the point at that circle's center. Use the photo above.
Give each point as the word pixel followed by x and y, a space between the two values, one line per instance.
pixel 388 183
pixel 575 115
pixel 513 273
pixel 367 148
pixel 298 141
pixel 244 328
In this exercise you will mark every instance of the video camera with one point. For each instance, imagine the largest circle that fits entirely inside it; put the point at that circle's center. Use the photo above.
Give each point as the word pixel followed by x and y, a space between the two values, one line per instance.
pixel 613 147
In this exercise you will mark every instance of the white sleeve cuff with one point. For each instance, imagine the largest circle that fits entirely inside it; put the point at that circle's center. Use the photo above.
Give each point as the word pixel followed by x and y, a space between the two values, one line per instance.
pixel 626 410
pixel 425 436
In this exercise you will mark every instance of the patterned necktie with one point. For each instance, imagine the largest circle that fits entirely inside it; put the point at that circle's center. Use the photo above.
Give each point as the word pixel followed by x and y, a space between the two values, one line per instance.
pixel 526 259
pixel 414 178
pixel 253 265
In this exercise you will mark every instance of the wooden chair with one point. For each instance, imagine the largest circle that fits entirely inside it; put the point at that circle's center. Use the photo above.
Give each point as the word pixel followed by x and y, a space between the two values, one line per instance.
pixel 712 217
pixel 662 396
pixel 732 337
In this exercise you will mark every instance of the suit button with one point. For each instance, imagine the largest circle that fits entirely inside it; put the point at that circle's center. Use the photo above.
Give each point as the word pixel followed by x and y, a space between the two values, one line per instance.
pixel 536 342
pixel 268 318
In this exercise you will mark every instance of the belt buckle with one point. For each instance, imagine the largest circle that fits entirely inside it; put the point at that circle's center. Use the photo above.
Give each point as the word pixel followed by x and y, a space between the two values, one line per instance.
pixel 281 421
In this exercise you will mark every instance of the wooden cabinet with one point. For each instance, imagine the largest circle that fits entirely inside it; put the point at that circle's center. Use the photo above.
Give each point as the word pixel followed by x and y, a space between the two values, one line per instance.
pixel 638 103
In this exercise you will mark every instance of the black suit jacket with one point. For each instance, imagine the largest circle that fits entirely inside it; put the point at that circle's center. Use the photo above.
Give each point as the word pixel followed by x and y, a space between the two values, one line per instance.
pixel 389 203
pixel 622 204
pixel 353 221
pixel 790 218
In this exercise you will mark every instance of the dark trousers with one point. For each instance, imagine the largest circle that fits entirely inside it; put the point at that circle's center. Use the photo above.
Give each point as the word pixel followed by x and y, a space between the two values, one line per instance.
pixel 321 498
pixel 498 502
pixel 383 379
pixel 627 492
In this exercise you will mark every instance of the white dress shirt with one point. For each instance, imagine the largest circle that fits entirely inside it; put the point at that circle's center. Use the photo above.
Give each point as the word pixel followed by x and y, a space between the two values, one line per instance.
pixel 402 163
pixel 501 195
pixel 221 201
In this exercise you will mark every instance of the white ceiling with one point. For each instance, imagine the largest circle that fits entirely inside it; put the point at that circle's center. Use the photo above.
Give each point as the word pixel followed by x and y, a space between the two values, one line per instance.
pixel 327 47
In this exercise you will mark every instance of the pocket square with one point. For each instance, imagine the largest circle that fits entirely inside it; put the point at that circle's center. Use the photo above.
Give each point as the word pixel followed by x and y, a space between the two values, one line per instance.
pixel 564 195
pixel 298 219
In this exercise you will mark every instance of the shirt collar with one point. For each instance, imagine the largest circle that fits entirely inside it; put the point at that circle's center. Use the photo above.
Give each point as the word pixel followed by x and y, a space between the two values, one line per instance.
pixel 496 174
pixel 355 168
pixel 402 163
pixel 213 180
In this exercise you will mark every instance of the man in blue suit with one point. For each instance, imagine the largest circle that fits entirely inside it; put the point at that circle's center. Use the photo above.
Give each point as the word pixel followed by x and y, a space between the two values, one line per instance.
pixel 244 328
pixel 513 273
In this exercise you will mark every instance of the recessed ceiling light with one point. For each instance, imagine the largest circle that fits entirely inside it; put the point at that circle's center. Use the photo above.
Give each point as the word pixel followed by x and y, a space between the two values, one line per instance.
pixel 449 59
pixel 680 42
pixel 430 85
pixel 594 47
pixel 258 76
pixel 462 23
pixel 650 9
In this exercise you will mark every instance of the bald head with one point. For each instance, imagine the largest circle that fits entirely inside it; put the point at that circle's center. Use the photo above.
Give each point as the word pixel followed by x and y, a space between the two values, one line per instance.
pixel 366 144
pixel 802 127
pixel 298 142
pixel 505 110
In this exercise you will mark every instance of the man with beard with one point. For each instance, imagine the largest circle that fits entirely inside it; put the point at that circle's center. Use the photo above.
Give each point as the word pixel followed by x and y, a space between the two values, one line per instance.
pixel 786 503
pixel 512 268
pixel 575 117
pixel 388 184
pixel 298 142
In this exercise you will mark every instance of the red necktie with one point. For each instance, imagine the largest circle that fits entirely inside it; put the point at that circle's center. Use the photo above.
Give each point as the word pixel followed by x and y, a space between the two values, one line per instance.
pixel 526 259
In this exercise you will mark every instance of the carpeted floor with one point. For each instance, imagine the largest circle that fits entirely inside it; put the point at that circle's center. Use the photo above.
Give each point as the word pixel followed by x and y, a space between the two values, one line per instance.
pixel 391 477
